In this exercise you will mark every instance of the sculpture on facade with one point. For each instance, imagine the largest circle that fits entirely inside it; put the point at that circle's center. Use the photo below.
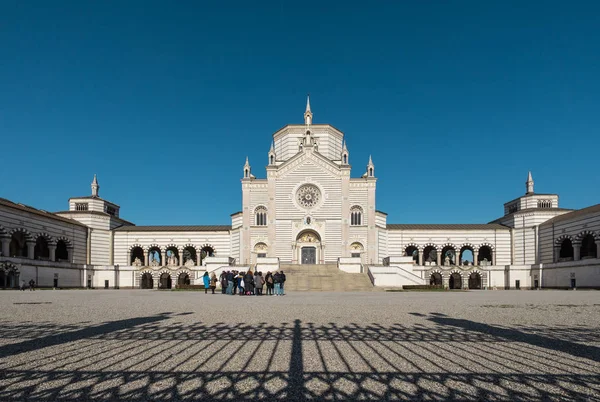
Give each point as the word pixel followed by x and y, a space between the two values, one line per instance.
pixel 137 262
pixel 172 261
pixel 189 263
pixel 447 260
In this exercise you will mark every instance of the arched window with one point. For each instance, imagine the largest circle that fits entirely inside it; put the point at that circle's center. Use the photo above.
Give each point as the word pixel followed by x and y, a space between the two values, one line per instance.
pixel 566 250
pixel 544 203
pixel 356 216
pixel 62 253
pixel 261 216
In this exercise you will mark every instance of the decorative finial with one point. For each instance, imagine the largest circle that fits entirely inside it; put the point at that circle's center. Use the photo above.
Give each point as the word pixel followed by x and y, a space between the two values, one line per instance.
pixel 370 168
pixel 529 184
pixel 95 187
pixel 308 114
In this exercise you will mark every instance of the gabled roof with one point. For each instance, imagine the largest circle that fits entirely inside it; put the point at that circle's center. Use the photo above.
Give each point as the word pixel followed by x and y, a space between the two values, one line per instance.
pixel 40 212
pixel 195 228
pixel 301 154
pixel 446 226
pixel 574 214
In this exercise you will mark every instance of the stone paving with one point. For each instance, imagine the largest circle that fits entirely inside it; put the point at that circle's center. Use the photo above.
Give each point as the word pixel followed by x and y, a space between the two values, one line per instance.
pixel 139 345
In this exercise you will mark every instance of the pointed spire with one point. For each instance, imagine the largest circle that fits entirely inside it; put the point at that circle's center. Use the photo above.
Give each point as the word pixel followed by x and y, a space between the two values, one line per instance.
pixel 95 187
pixel 272 154
pixel 529 184
pixel 344 153
pixel 308 114
pixel 247 169
pixel 370 168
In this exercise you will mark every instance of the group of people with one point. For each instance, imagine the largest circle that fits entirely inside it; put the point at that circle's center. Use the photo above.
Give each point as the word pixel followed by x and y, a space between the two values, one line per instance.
pixel 246 283
pixel 31 285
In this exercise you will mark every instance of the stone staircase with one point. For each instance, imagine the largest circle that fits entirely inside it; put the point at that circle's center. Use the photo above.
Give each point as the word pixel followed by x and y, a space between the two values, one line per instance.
pixel 324 278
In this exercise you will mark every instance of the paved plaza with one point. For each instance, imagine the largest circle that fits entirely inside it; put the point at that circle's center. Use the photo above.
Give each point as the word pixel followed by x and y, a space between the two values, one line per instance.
pixel 166 345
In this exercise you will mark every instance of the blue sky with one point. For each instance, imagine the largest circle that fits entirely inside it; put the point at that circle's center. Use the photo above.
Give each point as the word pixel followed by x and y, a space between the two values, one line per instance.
pixel 455 101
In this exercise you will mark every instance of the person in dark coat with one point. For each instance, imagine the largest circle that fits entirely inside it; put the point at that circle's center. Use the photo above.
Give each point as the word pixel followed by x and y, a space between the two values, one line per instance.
pixel 269 283
pixel 249 283
pixel 235 281
pixel 223 280
pixel 282 281
pixel 277 283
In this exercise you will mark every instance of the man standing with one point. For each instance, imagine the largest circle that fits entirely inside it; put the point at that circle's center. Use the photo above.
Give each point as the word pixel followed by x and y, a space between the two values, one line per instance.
pixel 277 283
pixel 282 279
pixel 223 280
pixel 31 285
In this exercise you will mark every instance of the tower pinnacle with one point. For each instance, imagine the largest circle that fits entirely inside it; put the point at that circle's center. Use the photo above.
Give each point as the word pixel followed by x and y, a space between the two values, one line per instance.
pixel 95 187
pixel 308 114
pixel 529 184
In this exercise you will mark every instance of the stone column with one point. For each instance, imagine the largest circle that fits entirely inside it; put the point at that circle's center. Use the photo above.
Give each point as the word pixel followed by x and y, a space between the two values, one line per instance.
pixel 163 257
pixel 129 258
pixel 438 254
pixel 556 253
pixel 181 262
pixel 576 252
pixel 421 257
pixel 493 252
pixel 457 262
pixel 476 257
pixel 198 255
pixel 52 248
pixel 146 257
pixel 30 249
pixel 5 246
pixel 446 281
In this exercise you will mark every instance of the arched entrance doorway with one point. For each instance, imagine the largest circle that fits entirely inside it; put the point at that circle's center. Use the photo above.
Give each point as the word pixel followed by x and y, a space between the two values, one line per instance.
pixel 435 279
pixel 475 281
pixel 9 277
pixel 183 279
pixel 165 281
pixel 455 281
pixel 308 247
pixel 147 281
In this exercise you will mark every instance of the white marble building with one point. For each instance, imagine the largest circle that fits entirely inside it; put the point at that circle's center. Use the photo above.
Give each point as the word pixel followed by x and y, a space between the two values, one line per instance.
pixel 308 209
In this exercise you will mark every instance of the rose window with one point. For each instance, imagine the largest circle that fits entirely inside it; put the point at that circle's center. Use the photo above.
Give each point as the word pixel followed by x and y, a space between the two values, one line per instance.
pixel 308 196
